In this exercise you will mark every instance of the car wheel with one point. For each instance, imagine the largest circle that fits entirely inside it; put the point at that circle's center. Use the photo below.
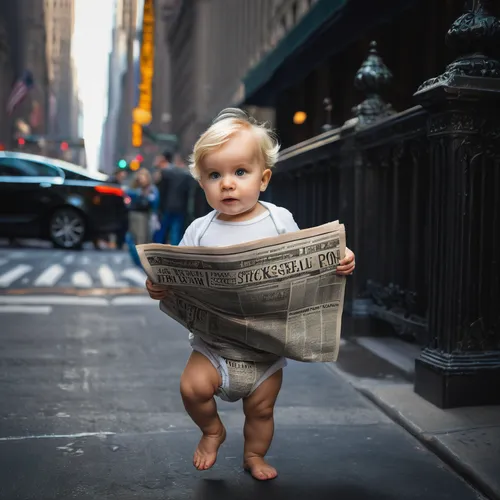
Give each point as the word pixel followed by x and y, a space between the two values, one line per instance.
pixel 67 228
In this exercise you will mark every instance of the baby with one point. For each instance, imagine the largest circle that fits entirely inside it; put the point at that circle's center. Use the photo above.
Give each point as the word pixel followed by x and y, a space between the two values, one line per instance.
pixel 232 162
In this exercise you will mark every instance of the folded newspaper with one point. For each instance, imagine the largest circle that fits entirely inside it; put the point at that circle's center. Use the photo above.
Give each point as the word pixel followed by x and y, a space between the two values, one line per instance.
pixel 280 295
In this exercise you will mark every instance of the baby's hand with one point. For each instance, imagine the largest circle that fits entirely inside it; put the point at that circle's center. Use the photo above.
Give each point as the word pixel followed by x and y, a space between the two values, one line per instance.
pixel 156 292
pixel 347 264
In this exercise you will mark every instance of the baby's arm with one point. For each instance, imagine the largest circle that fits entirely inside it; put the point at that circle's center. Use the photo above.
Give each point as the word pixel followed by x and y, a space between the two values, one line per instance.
pixel 346 265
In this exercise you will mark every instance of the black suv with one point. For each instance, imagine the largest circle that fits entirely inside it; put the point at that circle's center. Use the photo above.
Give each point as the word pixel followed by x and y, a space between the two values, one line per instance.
pixel 52 199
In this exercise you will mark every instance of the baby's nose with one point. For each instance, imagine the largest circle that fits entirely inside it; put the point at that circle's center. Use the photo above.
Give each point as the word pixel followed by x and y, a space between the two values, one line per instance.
pixel 227 183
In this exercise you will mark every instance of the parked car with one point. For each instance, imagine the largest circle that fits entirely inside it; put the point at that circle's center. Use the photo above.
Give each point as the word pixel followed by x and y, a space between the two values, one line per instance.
pixel 52 199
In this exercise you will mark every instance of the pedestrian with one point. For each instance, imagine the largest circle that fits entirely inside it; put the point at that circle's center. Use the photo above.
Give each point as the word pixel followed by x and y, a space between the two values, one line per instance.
pixel 232 161
pixel 174 184
pixel 143 208
pixel 117 238
pixel 161 162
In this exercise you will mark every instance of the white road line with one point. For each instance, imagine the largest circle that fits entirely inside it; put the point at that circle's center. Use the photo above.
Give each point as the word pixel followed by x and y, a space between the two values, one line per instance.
pixel 81 279
pixel 26 309
pixel 50 276
pixel 14 274
pixel 135 274
pixel 69 259
pixel 68 300
pixel 138 300
pixel 58 436
pixel 106 276
pixel 54 300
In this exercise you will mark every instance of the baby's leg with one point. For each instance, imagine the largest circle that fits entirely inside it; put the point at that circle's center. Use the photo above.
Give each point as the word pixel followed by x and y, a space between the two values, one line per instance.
pixel 259 427
pixel 199 382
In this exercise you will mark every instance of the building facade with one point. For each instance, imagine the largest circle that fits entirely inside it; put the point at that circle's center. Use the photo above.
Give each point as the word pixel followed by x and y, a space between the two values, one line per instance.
pixel 214 44
pixel 117 126
pixel 162 112
pixel 116 71
pixel 22 48
pixel 60 20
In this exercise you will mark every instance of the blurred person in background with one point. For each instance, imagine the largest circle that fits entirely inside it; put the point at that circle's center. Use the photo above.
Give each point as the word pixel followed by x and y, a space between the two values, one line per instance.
pixel 117 239
pixel 119 177
pixel 174 184
pixel 143 208
pixel 161 162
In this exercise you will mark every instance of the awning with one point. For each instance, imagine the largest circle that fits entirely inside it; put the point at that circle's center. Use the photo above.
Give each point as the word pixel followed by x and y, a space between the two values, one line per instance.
pixel 329 27
pixel 296 38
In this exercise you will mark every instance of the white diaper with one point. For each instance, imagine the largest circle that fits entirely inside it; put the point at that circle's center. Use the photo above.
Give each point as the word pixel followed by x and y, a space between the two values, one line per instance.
pixel 239 378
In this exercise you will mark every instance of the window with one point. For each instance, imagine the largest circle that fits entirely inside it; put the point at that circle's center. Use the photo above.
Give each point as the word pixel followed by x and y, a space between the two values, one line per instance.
pixel 43 170
pixel 23 168
pixel 10 171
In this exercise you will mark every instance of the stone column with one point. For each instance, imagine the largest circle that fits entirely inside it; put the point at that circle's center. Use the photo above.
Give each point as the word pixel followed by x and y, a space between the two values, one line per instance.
pixel 460 365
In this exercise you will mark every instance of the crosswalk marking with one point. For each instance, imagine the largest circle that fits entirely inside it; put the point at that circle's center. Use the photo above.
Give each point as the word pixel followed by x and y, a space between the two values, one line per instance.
pixel 135 275
pixel 14 274
pixel 81 279
pixel 106 276
pixel 50 276
pixel 48 270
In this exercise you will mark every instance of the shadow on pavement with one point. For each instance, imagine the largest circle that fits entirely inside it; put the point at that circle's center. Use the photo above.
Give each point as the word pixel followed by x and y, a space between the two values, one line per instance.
pixel 214 489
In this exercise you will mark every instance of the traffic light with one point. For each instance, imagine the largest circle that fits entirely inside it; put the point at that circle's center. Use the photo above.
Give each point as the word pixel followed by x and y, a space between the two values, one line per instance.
pixel 134 165
pixel 122 163
pixel 139 158
pixel 64 146
pixel 21 141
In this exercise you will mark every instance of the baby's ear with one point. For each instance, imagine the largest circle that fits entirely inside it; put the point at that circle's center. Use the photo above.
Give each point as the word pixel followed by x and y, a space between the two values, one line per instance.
pixel 266 177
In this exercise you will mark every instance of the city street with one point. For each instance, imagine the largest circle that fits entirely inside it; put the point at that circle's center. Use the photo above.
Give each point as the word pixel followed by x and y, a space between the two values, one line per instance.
pixel 91 410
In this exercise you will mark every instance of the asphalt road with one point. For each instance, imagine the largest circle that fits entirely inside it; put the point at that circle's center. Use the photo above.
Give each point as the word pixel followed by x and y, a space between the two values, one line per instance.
pixel 90 409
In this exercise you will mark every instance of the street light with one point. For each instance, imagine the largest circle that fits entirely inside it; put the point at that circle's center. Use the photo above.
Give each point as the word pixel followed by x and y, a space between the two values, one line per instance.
pixel 299 117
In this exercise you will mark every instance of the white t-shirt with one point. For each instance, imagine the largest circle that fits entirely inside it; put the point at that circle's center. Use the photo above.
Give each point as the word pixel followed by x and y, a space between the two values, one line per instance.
pixel 222 233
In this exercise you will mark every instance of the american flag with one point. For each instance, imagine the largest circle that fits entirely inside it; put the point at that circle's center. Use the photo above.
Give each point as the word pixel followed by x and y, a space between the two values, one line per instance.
pixel 19 91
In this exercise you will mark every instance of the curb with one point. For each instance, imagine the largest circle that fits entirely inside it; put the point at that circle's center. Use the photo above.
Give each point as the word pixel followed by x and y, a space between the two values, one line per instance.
pixel 433 444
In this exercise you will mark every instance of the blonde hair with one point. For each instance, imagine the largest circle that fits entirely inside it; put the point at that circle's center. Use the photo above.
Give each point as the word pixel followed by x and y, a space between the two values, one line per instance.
pixel 143 171
pixel 227 123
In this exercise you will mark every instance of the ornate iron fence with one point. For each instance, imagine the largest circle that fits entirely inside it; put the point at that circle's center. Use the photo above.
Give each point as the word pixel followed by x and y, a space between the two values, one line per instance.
pixel 419 192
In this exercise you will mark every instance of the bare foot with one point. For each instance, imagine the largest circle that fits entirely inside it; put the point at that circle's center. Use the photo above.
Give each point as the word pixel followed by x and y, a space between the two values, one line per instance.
pixel 259 469
pixel 206 453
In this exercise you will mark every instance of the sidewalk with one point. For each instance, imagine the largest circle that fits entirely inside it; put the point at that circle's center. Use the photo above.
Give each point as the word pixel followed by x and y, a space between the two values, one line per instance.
pixel 91 411
pixel 467 439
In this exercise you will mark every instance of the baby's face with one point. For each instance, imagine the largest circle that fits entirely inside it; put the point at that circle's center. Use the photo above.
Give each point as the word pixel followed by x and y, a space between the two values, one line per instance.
pixel 234 175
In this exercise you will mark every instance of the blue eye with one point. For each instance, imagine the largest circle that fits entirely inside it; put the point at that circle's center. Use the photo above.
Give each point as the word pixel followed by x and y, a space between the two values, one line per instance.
pixel 213 175
pixel 240 172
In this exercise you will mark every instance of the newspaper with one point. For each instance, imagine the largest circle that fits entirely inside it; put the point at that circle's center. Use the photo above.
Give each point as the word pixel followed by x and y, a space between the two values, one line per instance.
pixel 278 295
